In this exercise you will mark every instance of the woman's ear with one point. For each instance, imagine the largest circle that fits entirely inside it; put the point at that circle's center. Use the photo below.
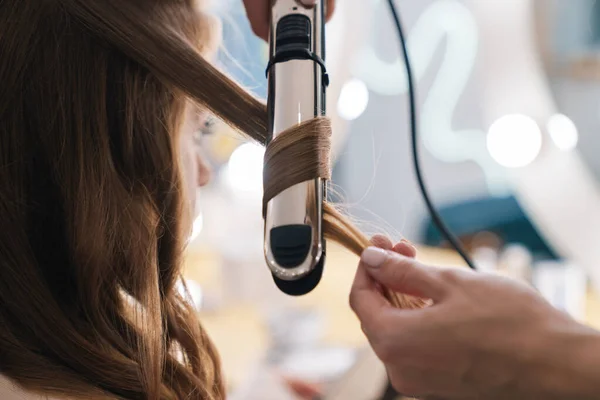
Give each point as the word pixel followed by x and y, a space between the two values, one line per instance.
pixel 204 170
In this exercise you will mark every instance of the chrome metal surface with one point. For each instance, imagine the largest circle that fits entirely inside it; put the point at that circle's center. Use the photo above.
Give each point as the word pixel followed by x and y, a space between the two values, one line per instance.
pixel 296 94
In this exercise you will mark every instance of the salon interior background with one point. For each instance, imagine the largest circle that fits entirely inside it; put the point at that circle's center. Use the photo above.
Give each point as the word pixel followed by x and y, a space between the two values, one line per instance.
pixel 383 180
pixel 373 169
pixel 509 105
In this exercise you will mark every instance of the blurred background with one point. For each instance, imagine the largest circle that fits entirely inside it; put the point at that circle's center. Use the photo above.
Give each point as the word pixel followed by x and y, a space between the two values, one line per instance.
pixel 509 113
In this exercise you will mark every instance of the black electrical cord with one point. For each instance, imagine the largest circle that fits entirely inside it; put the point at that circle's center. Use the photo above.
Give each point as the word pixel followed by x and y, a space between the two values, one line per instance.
pixel 435 216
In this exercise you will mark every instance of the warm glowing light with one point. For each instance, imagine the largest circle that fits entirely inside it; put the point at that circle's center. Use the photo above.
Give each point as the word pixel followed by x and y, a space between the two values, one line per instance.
pixel 563 132
pixel 354 99
pixel 244 171
pixel 514 141
pixel 194 292
pixel 197 227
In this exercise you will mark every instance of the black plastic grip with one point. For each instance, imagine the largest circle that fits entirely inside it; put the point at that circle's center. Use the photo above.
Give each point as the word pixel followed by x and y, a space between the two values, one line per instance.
pixel 293 33
pixel 305 285
pixel 290 244
pixel 294 42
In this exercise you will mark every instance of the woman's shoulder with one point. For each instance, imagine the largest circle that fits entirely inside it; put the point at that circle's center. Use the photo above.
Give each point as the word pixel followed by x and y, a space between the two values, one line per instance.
pixel 10 391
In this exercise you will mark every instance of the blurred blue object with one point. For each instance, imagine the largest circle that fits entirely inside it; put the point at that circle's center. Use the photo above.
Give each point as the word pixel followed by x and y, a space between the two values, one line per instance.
pixel 501 216
pixel 243 55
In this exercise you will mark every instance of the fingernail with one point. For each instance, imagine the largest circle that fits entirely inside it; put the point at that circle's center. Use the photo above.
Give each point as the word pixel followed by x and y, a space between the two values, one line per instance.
pixel 374 257
pixel 409 243
pixel 308 3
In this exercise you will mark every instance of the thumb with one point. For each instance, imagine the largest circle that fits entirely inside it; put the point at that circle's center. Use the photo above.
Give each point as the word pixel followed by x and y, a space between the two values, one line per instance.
pixel 403 274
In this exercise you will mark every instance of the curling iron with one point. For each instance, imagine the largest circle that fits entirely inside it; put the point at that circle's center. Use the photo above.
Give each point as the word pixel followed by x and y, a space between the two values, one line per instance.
pixel 293 244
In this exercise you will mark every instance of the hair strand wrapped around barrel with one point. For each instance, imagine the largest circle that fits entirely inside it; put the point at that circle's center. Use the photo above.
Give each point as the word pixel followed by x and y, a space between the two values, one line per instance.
pixel 303 153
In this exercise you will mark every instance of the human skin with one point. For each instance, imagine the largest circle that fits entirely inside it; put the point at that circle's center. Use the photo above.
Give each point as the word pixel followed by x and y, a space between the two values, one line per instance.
pixel 484 336
pixel 258 14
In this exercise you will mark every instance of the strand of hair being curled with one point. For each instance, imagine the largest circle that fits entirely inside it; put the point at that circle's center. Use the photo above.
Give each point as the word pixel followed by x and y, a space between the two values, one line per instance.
pixel 91 199
pixel 309 146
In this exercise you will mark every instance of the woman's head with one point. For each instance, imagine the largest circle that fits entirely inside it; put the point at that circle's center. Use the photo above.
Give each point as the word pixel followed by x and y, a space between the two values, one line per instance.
pixel 100 102
pixel 99 166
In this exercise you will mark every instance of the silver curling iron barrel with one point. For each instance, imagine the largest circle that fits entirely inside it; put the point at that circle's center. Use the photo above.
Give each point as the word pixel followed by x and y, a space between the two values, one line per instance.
pixel 294 245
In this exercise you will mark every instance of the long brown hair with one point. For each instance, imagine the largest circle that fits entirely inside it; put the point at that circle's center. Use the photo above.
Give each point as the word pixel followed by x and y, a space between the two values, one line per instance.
pixel 91 201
